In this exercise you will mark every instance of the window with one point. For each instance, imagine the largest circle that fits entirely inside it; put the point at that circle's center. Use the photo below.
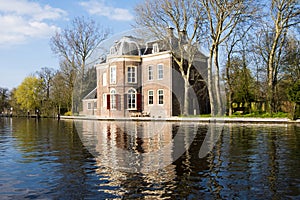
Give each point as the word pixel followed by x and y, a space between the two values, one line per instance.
pixel 160 97
pixel 104 79
pixel 113 75
pixel 113 99
pixel 150 73
pixel 131 99
pixel 150 97
pixel 131 74
pixel 113 50
pixel 89 106
pixel 104 100
pixel 155 48
pixel 160 71
pixel 95 105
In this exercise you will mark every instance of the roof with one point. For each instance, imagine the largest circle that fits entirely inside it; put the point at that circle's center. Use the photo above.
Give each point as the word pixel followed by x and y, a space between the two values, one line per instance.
pixel 91 95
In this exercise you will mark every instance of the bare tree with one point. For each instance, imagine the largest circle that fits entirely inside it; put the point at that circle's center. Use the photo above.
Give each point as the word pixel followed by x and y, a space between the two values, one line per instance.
pixel 284 14
pixel 75 45
pixel 46 74
pixel 182 18
pixel 223 16
pixel 234 47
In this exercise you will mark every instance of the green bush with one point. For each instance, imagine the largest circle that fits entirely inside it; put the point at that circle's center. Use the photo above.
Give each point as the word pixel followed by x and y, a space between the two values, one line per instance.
pixel 69 113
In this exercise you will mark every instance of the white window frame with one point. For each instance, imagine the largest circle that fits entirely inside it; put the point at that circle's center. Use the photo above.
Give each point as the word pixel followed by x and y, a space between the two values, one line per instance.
pixel 131 99
pixel 155 48
pixel 113 74
pixel 104 79
pixel 160 71
pixel 159 95
pixel 104 100
pixel 150 72
pixel 89 106
pixel 113 99
pixel 150 104
pixel 131 75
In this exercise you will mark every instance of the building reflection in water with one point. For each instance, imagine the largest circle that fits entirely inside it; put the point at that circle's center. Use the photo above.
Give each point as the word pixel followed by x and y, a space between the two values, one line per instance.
pixel 137 155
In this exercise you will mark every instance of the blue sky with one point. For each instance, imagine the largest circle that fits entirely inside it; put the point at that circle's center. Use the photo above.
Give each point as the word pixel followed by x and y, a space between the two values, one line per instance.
pixel 27 25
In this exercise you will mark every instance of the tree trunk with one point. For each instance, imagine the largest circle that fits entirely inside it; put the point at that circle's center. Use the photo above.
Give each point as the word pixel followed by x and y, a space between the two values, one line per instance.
pixel 230 92
pixel 186 97
pixel 271 69
pixel 210 84
pixel 230 102
pixel 217 84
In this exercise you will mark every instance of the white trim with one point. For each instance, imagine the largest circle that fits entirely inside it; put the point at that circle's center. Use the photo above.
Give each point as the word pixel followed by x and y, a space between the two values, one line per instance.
pixel 85 98
pixel 135 73
pixel 102 66
pixel 110 74
pixel 157 70
pixel 112 59
pixel 152 97
pixel 163 94
pixel 135 98
pixel 152 72
pixel 104 100
pixel 157 56
pixel 104 79
pixel 92 104
pixel 155 48
pixel 115 96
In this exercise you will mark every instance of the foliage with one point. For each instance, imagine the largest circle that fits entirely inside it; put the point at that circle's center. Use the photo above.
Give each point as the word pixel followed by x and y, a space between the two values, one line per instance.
pixel 241 81
pixel 69 113
pixel 28 94
pixel 294 93
pixel 262 115
pixel 4 104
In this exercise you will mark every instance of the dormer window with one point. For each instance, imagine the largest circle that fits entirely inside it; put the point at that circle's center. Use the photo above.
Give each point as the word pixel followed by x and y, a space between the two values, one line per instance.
pixel 112 50
pixel 155 48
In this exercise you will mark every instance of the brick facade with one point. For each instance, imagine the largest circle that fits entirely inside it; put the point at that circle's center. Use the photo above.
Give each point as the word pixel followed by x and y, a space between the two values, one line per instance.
pixel 136 80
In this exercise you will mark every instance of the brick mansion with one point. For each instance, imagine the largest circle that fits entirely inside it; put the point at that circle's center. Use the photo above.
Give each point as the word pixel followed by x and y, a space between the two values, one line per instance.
pixel 140 78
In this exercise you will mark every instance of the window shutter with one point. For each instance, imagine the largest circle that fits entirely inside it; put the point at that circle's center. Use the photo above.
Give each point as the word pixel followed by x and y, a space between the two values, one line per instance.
pixel 139 101
pixel 108 101
pixel 125 101
pixel 118 102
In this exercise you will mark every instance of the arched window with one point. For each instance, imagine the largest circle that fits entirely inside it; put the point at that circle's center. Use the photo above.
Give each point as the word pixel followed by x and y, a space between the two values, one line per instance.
pixel 131 99
pixel 113 99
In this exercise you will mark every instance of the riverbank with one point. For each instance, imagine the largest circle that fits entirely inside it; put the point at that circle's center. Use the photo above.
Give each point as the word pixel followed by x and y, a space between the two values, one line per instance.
pixel 192 119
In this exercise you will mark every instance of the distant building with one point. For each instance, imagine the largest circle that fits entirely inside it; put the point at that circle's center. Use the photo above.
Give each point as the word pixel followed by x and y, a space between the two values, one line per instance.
pixel 142 79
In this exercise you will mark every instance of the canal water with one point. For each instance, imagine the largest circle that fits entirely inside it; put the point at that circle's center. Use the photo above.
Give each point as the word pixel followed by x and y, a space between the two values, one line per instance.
pixel 47 159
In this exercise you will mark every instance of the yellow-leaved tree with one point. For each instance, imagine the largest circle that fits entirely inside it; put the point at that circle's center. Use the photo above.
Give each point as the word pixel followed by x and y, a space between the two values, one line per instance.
pixel 28 93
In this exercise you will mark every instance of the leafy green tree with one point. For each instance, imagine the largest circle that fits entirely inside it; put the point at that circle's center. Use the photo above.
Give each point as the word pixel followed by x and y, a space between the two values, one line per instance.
pixel 4 104
pixel 14 104
pixel 294 97
pixel 28 94
pixel 241 82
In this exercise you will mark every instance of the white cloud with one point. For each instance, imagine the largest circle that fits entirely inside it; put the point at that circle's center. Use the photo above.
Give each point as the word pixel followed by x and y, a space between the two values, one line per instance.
pixel 21 20
pixel 99 7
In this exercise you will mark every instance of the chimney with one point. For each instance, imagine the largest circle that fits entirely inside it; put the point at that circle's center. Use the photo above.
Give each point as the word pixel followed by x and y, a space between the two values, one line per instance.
pixel 170 31
pixel 183 36
pixel 170 35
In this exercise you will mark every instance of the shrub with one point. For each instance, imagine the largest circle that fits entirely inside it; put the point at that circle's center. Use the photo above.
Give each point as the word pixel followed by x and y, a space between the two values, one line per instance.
pixel 69 113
